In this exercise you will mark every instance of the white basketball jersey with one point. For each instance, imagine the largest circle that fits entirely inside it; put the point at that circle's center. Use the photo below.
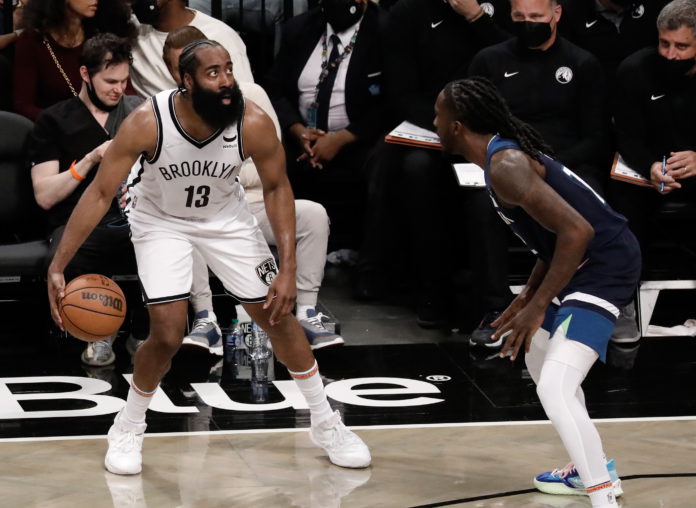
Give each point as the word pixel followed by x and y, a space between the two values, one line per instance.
pixel 187 178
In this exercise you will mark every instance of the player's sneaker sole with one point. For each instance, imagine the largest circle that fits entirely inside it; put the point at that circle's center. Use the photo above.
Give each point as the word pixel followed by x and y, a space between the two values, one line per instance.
pixel 561 489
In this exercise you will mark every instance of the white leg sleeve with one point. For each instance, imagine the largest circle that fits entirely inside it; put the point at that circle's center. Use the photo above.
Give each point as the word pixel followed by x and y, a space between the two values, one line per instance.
pixel 566 365
pixel 201 295
pixel 535 359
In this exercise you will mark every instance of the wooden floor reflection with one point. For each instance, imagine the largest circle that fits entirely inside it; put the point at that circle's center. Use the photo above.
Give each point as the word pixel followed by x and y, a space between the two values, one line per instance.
pixel 429 466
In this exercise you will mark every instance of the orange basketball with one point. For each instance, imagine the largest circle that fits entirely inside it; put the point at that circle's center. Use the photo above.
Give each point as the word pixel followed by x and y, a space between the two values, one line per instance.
pixel 93 307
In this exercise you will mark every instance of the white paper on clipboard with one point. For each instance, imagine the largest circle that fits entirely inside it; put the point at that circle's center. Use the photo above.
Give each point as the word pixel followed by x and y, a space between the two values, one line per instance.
pixel 469 175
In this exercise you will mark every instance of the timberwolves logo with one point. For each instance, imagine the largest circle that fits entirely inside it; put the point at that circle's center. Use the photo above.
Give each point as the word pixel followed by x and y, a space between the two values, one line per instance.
pixel 488 8
pixel 638 11
pixel 267 271
pixel 564 75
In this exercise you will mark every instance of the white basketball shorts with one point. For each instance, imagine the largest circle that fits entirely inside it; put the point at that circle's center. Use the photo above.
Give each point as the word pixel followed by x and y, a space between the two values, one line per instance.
pixel 232 245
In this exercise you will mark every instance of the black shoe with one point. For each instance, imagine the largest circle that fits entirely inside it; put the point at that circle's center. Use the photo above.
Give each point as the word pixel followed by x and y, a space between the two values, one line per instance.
pixel 482 335
pixel 367 287
pixel 429 315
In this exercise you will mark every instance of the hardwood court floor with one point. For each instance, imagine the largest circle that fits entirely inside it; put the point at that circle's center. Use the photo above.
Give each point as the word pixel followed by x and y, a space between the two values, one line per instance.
pixel 436 466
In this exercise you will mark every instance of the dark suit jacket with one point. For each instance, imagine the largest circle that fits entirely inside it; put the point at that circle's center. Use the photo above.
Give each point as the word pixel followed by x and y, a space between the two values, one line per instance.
pixel 364 104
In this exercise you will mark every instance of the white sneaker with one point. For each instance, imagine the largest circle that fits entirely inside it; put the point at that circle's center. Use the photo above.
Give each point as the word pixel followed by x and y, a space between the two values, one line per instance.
pixel 125 438
pixel 343 447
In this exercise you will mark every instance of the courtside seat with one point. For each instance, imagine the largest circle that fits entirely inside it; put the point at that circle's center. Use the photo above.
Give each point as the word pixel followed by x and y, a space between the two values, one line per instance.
pixel 23 248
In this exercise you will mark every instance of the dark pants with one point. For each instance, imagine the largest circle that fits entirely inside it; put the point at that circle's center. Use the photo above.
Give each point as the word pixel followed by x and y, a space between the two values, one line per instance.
pixel 341 187
pixel 417 187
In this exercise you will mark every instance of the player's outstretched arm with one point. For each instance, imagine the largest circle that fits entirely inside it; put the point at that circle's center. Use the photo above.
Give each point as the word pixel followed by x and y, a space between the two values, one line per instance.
pixel 516 180
pixel 137 134
pixel 262 144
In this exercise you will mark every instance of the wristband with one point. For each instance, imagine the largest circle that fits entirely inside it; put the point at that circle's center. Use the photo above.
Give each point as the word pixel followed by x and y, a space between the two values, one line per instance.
pixel 77 176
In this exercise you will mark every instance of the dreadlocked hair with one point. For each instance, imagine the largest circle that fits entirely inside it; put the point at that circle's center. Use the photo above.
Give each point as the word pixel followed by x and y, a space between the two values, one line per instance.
pixel 188 60
pixel 478 105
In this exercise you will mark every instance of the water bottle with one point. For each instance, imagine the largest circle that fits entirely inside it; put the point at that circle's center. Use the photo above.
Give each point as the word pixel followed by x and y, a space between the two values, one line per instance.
pixel 259 354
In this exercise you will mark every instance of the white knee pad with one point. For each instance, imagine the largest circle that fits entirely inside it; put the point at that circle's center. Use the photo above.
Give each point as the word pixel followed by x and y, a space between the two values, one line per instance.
pixel 537 352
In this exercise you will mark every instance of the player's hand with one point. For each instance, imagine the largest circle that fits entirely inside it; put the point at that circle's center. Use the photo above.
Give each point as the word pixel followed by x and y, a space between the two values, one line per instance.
pixel 281 297
pixel 56 291
pixel 519 303
pixel 522 328
pixel 681 165
pixel 657 179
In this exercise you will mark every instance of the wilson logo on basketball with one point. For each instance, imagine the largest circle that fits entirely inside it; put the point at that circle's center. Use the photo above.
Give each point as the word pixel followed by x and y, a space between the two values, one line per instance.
pixel 105 300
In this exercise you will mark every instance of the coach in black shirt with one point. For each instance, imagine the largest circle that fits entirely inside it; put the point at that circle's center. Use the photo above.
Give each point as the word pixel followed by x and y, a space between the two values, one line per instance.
pixel 610 29
pixel 654 117
pixel 553 85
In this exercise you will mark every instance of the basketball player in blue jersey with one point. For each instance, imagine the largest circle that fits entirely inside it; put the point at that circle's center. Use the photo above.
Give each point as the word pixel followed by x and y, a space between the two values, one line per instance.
pixel 587 259
pixel 184 195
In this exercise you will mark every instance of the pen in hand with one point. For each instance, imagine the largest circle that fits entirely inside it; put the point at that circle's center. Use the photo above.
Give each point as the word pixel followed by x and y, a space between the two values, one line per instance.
pixel 664 171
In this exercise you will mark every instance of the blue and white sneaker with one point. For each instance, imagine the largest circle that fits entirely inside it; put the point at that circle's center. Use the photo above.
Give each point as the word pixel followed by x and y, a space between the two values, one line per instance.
pixel 317 333
pixel 205 333
pixel 567 481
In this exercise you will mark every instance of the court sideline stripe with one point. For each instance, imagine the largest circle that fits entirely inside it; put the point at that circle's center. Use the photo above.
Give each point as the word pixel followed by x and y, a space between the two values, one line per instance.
pixel 354 427
pixel 531 491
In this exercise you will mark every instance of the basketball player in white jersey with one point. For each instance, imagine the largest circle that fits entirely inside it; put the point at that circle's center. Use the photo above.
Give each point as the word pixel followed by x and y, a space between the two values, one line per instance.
pixel 185 196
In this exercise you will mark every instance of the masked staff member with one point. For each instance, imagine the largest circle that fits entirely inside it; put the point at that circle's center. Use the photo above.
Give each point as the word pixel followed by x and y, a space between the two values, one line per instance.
pixel 155 19
pixel 325 86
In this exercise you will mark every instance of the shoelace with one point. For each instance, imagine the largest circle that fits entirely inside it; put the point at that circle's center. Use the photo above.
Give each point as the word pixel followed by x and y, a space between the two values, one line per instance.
pixel 339 433
pixel 562 473
pixel 127 441
pixel 199 324
pixel 316 321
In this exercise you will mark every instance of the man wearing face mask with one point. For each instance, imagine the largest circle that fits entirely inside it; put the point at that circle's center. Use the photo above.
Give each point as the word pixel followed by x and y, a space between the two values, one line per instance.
pixel 556 87
pixel 654 112
pixel 610 29
pixel 65 149
pixel 325 86
pixel 155 19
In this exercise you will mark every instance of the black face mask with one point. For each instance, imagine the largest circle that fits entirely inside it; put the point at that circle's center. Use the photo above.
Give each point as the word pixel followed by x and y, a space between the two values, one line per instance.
pixel 91 92
pixel 532 34
pixel 147 11
pixel 211 109
pixel 341 14
pixel 673 70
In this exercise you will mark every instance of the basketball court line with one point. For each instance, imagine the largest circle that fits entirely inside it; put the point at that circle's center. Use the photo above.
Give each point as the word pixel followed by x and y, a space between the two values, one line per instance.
pixel 356 427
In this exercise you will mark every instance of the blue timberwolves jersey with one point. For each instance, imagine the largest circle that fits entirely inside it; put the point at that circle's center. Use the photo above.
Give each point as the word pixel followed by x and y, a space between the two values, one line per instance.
pixel 607 224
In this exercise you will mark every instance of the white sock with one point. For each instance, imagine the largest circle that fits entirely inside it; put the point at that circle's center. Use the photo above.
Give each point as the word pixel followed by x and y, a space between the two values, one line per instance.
pixel 302 311
pixel 309 383
pixel 602 496
pixel 137 403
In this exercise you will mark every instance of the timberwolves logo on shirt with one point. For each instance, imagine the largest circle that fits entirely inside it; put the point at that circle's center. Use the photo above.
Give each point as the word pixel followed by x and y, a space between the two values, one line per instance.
pixel 564 75
pixel 267 271
pixel 638 11
pixel 488 8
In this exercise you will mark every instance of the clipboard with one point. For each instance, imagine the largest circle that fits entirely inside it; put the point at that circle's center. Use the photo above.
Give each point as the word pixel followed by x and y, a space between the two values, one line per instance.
pixel 409 134
pixel 620 171
pixel 469 175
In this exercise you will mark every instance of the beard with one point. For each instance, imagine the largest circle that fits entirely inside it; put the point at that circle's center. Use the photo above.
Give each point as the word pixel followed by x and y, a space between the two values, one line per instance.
pixel 209 106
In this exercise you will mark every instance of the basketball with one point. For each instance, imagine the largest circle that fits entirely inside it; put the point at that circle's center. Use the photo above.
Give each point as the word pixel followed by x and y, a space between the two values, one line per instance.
pixel 93 307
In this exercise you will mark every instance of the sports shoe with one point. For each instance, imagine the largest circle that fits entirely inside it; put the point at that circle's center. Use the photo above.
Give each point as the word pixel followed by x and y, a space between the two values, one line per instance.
pixel 205 333
pixel 567 481
pixel 317 334
pixel 482 335
pixel 343 446
pixel 99 353
pixel 626 328
pixel 124 455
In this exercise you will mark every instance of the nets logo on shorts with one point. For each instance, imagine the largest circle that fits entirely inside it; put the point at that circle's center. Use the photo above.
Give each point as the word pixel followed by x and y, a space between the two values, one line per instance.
pixel 267 271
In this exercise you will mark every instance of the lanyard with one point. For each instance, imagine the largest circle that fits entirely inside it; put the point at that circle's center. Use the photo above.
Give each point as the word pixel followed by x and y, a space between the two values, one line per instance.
pixel 325 64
